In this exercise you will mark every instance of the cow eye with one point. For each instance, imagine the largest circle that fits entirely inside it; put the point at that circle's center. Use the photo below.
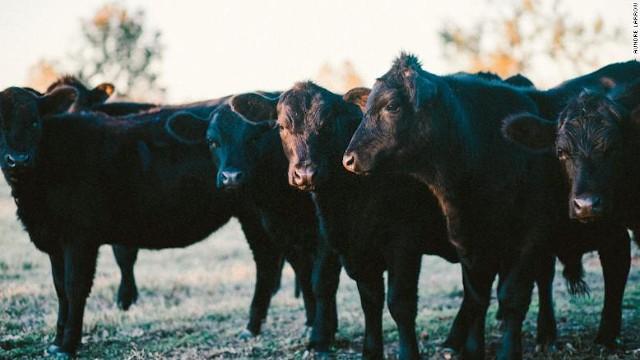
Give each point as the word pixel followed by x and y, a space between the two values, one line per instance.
pixel 34 124
pixel 213 144
pixel 392 107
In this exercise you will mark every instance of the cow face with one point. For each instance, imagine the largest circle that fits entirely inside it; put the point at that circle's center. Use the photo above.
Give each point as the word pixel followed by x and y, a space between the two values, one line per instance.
pixel 588 139
pixel 21 121
pixel 235 141
pixel 398 115
pixel 315 127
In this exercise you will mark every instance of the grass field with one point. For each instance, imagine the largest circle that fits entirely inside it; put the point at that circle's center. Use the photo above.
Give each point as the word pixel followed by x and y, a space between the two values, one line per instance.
pixel 194 302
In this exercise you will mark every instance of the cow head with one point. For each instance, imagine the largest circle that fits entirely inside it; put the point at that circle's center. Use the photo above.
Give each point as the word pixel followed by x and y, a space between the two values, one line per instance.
pixel 21 121
pixel 398 116
pixel 86 98
pixel 315 127
pixel 589 140
pixel 233 133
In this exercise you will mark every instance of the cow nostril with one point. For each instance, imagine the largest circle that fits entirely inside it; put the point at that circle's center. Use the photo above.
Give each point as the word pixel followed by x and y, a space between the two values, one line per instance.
pixel 577 204
pixel 595 202
pixel 349 160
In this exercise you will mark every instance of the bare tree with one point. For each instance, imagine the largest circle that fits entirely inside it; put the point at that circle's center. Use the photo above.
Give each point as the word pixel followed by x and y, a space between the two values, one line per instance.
pixel 527 32
pixel 116 48
pixel 41 74
pixel 341 79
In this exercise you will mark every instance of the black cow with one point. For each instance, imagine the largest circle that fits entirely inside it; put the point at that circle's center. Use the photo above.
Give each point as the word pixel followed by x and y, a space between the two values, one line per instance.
pixel 94 100
pixel 595 138
pixel 85 98
pixel 89 100
pixel 501 208
pixel 85 179
pixel 375 224
pixel 252 167
pixel 249 157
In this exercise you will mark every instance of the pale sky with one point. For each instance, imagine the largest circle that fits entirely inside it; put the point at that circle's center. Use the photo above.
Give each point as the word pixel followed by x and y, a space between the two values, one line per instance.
pixel 214 48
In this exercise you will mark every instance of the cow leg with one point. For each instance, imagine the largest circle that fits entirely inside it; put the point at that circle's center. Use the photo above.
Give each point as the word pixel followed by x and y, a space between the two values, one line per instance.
pixel 615 256
pixel 516 297
pixel 79 269
pixel 127 291
pixel 267 275
pixel 302 263
pixel 546 326
pixel 402 298
pixel 268 268
pixel 57 270
pixel 372 301
pixel 460 327
pixel 325 280
pixel 478 285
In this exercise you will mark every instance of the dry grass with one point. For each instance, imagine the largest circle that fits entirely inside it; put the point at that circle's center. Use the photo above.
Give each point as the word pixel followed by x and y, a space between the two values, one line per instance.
pixel 194 302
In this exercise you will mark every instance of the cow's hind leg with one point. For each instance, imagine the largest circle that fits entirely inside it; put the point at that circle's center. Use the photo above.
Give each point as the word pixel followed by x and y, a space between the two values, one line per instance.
pixel 127 291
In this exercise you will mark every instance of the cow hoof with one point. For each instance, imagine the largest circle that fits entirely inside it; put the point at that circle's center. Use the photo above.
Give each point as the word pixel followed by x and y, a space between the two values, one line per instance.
pixel 246 334
pixel 609 344
pixel 57 352
pixel 126 298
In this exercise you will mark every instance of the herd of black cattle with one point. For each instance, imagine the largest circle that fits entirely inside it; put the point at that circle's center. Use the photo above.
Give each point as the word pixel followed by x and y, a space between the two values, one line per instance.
pixel 494 174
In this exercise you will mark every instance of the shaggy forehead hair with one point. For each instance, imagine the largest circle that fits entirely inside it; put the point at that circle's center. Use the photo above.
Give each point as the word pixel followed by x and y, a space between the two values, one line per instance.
pixel 405 61
pixel 304 106
pixel 68 80
pixel 589 122
pixel 591 107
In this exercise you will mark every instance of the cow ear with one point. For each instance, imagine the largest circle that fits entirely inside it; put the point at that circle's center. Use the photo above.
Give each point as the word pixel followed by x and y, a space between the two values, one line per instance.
pixel 530 131
pixel 254 106
pixel 420 89
pixel 187 128
pixel 101 93
pixel 629 98
pixel 57 101
pixel 357 96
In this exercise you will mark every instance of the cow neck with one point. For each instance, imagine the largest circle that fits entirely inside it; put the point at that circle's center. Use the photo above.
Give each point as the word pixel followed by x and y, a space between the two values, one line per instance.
pixel 448 160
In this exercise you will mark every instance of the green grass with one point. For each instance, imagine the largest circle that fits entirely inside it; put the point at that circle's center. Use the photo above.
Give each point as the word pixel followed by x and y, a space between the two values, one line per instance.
pixel 194 302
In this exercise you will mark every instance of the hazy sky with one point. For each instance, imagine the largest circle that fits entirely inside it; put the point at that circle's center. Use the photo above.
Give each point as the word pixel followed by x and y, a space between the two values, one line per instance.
pixel 216 47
